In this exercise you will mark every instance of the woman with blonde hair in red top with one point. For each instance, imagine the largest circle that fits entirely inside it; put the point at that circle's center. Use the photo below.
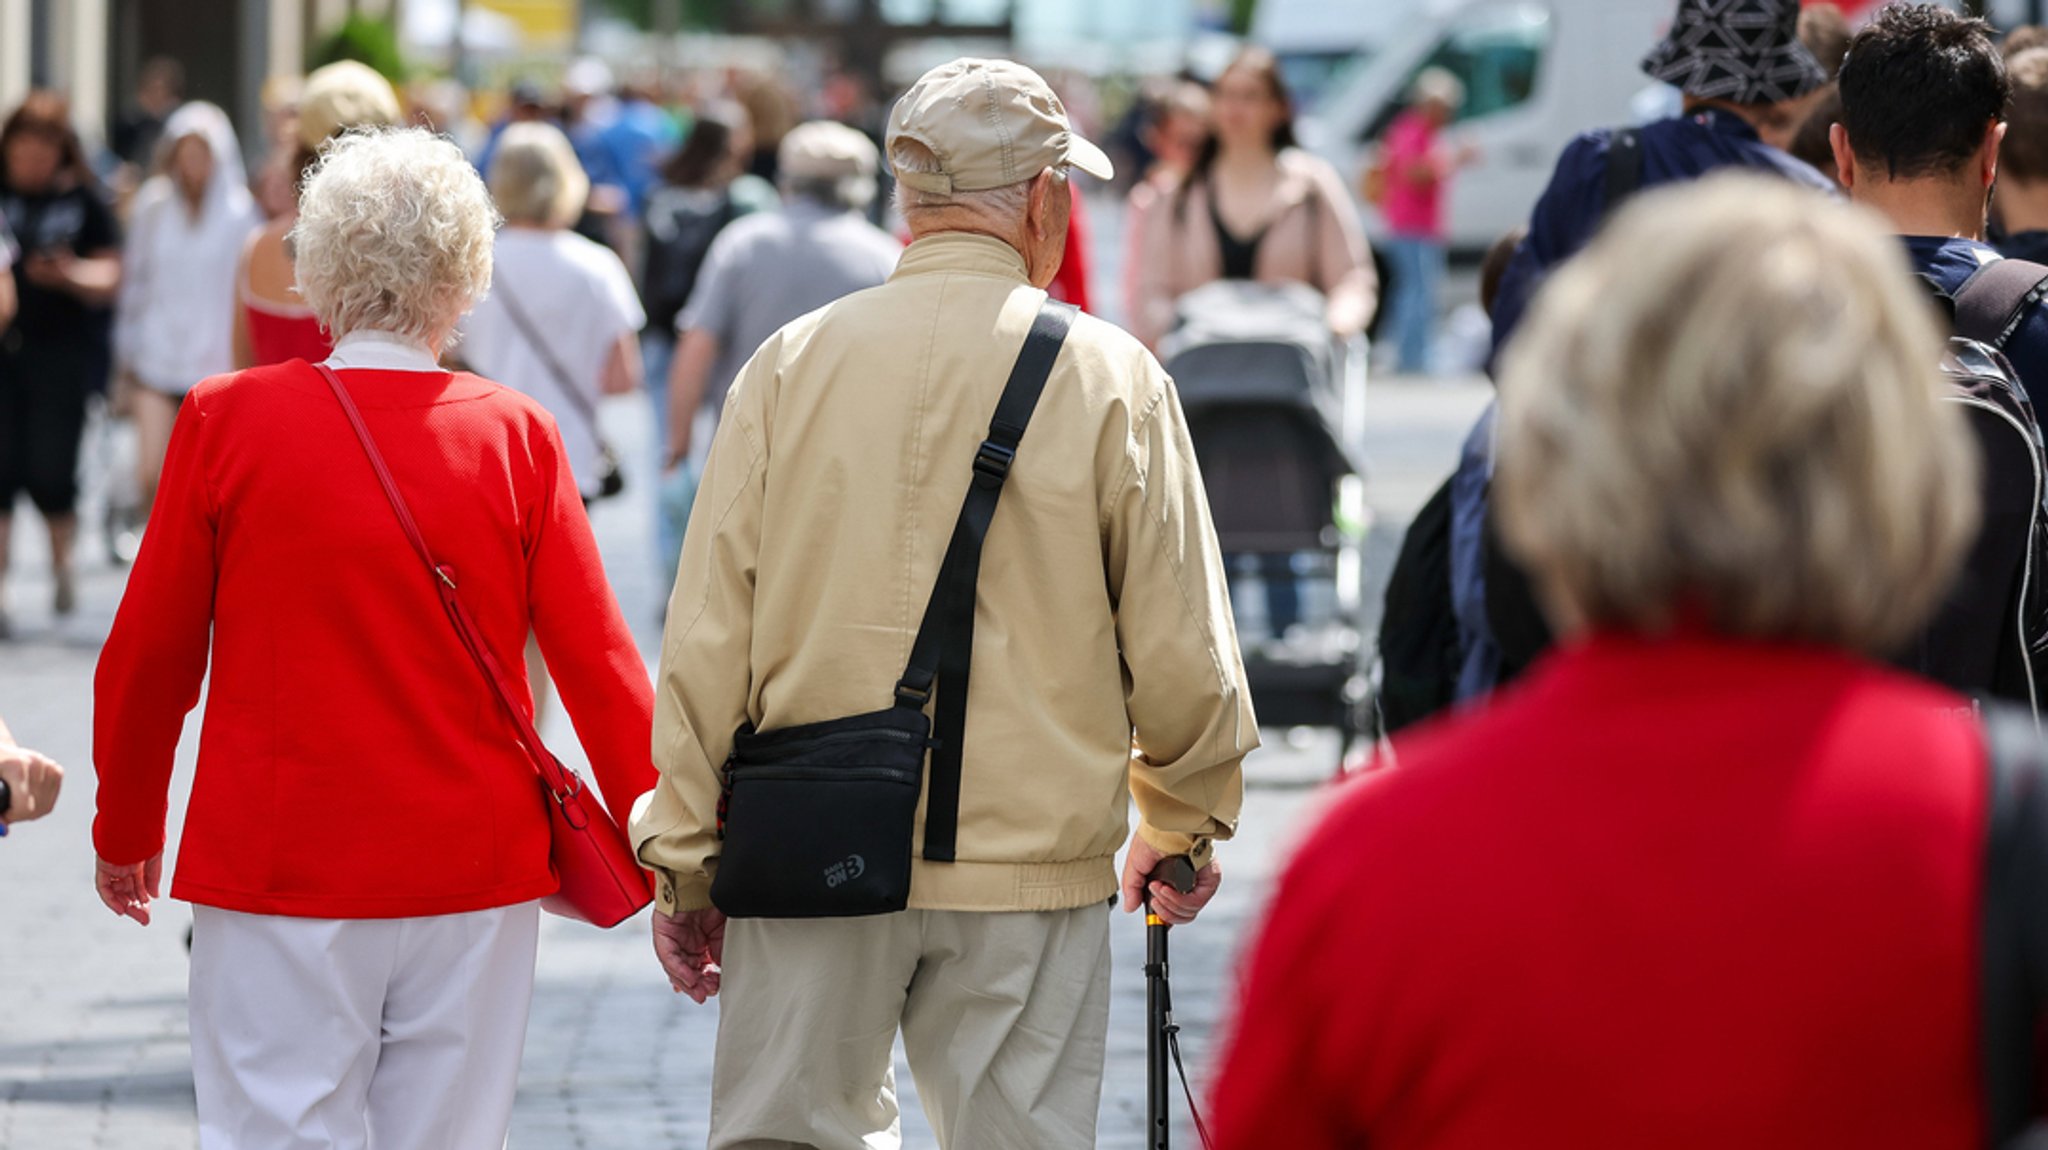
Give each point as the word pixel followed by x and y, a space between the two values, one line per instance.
pixel 272 322
pixel 366 844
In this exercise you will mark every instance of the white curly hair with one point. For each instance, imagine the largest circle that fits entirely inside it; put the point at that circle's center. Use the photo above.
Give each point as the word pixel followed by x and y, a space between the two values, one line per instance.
pixel 394 235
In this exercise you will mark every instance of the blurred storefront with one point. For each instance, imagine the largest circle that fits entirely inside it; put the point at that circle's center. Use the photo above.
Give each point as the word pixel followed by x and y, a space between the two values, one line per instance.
pixel 94 49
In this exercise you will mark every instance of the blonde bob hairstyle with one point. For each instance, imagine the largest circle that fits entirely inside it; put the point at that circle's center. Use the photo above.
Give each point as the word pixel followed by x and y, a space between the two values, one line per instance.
pixel 536 178
pixel 394 235
pixel 1726 412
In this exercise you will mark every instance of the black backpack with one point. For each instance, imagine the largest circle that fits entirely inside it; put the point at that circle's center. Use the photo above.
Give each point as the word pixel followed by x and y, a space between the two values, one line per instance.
pixel 1984 640
pixel 1419 648
pixel 680 228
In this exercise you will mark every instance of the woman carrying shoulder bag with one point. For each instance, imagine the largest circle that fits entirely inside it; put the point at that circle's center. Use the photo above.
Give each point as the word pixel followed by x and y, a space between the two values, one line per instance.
pixel 367 845
pixel 562 320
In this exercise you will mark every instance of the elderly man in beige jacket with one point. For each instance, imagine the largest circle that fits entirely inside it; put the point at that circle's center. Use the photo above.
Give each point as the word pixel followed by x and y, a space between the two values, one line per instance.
pixel 1105 667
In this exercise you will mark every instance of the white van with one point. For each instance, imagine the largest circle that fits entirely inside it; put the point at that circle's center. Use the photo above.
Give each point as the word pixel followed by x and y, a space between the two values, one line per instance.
pixel 1319 41
pixel 1536 73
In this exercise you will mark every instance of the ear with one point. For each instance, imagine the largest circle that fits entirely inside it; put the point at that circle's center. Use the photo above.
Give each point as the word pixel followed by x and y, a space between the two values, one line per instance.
pixel 1040 209
pixel 1845 156
pixel 1994 138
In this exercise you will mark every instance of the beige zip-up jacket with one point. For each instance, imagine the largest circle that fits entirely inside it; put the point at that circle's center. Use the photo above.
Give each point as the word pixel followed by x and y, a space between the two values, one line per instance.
pixel 1106 665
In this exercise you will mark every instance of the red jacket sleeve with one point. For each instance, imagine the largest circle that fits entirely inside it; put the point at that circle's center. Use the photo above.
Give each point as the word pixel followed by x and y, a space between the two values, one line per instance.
pixel 155 658
pixel 1274 1089
pixel 589 649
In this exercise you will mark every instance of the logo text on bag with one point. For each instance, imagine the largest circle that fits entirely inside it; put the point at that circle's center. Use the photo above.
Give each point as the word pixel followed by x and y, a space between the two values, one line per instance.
pixel 840 873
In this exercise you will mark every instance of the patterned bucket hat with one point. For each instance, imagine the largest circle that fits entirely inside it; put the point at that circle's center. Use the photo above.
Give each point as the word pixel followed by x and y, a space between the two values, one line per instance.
pixel 1745 51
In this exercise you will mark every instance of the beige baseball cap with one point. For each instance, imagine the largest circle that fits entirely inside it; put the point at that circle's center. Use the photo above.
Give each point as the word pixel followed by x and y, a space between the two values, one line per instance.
pixel 991 123
pixel 823 150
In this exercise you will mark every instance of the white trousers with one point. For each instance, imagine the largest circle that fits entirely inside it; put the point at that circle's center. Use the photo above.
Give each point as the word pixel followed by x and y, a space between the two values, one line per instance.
pixel 1004 1016
pixel 359 1034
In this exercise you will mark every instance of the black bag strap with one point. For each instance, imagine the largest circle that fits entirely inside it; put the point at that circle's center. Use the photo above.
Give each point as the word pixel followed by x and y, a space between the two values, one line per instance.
pixel 2014 929
pixel 944 649
pixel 1624 168
pixel 1996 299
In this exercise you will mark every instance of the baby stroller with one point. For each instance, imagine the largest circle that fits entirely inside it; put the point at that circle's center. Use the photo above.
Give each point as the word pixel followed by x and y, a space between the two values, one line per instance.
pixel 1273 406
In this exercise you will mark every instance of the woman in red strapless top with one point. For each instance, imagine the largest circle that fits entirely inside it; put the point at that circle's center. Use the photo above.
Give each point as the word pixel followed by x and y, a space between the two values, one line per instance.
pixel 280 332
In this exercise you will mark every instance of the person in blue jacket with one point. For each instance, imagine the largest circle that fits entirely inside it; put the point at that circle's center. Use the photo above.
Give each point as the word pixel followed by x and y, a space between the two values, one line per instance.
pixel 1743 71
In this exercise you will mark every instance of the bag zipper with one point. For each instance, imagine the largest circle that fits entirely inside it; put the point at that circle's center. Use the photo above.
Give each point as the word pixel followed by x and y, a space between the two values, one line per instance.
pixel 829 774
pixel 797 746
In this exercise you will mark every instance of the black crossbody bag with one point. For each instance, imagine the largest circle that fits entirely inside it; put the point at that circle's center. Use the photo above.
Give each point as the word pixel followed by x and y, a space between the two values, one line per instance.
pixel 817 821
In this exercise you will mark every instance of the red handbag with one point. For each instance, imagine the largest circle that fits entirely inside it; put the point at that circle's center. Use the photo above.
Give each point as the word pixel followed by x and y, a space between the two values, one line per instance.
pixel 602 883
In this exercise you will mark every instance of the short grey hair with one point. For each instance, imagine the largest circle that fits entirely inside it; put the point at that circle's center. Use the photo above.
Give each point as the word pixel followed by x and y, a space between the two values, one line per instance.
pixel 536 177
pixel 394 235
pixel 1007 204
pixel 1728 409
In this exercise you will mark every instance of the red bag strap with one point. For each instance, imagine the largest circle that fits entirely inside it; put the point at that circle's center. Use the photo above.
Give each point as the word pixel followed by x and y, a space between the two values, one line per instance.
pixel 562 783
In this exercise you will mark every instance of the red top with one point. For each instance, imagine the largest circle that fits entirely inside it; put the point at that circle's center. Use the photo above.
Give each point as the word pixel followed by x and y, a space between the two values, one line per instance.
pixel 279 335
pixel 1683 894
pixel 1071 284
pixel 353 762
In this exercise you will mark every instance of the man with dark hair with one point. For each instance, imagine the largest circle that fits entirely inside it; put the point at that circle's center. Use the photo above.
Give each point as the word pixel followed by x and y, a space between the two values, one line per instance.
pixel 2021 198
pixel 1924 98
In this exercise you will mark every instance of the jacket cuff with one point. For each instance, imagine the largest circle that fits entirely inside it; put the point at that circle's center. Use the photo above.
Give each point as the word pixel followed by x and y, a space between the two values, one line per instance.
pixel 1200 849
pixel 673 895
pixel 122 849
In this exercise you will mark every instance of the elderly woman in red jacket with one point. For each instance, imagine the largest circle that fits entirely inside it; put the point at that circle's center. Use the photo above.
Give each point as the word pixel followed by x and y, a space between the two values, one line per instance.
pixel 1710 876
pixel 366 844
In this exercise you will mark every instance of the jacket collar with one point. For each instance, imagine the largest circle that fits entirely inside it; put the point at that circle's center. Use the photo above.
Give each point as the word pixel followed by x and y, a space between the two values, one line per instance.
pixel 379 351
pixel 961 252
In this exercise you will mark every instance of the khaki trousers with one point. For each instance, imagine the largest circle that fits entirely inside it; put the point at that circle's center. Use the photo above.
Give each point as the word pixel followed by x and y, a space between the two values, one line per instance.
pixel 1004 1017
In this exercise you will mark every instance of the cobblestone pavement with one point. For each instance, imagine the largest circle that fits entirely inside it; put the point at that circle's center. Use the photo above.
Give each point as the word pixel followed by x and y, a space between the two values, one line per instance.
pixel 93 1049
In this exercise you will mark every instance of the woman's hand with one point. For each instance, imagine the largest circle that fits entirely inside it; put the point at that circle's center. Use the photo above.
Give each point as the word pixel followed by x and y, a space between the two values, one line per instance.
pixel 127 890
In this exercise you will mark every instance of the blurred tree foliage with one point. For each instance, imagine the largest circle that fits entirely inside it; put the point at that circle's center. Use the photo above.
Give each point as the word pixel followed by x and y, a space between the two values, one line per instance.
pixel 1241 16
pixel 705 14
pixel 366 39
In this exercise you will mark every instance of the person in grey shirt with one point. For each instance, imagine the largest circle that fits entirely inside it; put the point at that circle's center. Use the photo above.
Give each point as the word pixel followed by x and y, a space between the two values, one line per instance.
pixel 770 268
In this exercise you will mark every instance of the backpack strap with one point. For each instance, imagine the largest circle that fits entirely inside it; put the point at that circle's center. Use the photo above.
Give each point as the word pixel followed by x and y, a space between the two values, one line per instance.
pixel 2013 932
pixel 944 649
pixel 1624 168
pixel 1996 299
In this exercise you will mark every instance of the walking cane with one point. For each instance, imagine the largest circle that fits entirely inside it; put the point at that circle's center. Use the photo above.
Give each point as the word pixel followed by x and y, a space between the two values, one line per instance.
pixel 1161 1034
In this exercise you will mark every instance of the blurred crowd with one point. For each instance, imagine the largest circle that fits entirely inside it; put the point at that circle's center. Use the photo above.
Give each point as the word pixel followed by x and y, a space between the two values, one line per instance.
pixel 145 266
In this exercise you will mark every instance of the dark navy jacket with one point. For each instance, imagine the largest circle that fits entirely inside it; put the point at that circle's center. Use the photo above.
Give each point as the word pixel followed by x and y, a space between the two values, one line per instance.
pixel 2023 246
pixel 1575 203
pixel 1950 262
pixel 1570 211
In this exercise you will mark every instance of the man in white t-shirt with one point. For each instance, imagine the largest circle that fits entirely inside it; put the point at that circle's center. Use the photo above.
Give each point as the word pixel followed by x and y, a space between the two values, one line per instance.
pixel 769 268
pixel 562 320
